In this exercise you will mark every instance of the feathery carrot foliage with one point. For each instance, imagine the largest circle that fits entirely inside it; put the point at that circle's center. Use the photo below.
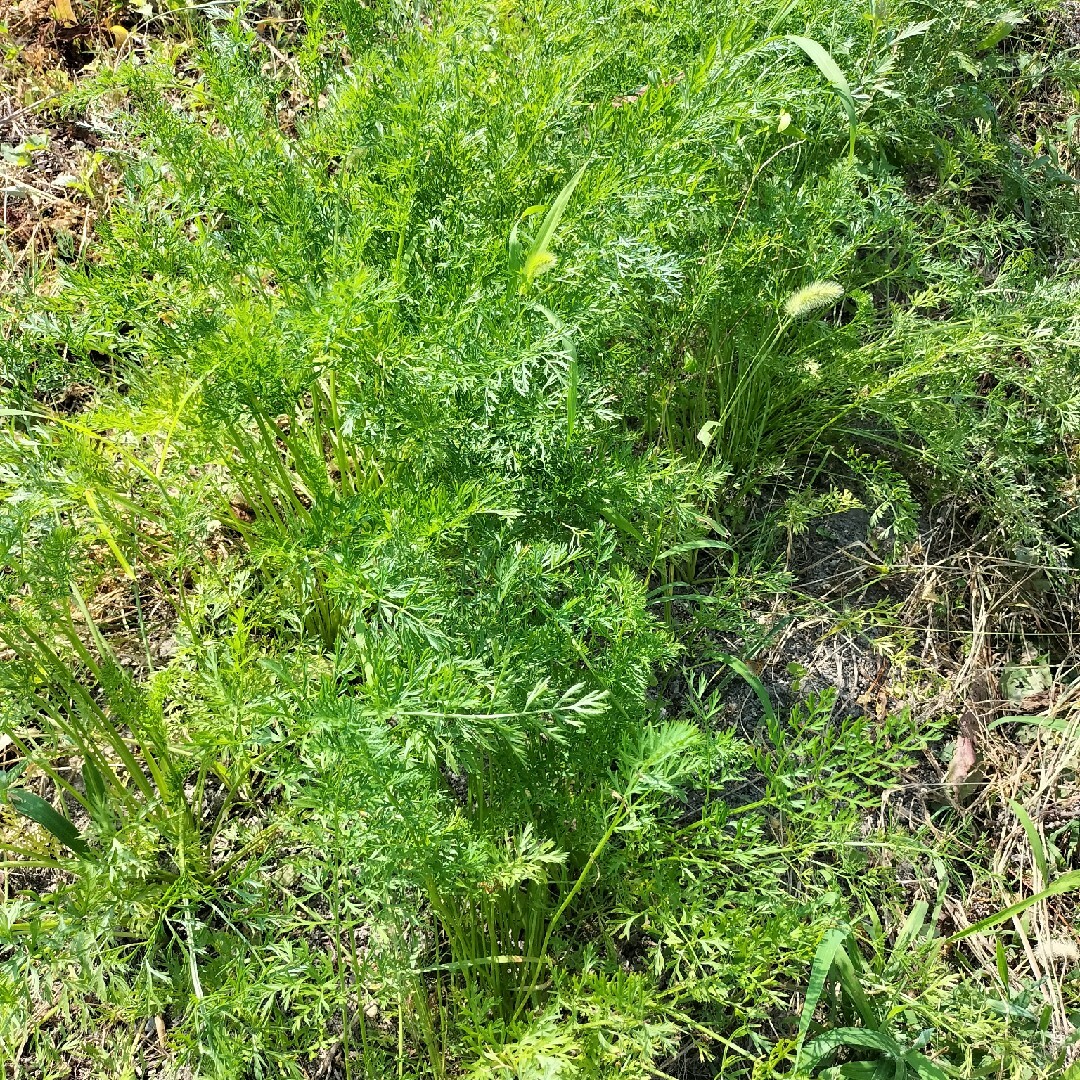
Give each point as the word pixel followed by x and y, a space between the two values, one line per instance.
pixel 444 368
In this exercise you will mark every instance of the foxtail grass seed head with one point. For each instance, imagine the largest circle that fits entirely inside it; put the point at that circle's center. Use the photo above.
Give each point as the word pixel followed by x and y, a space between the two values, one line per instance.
pixel 539 263
pixel 812 297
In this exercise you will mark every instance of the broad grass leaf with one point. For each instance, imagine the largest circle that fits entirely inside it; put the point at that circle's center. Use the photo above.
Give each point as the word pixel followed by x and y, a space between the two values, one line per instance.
pixel 923 1067
pixel 1066 883
pixel 515 253
pixel 741 668
pixel 912 927
pixel 1035 841
pixel 571 399
pixel 830 69
pixel 94 782
pixel 819 974
pixel 688 547
pixel 850 984
pixel 38 810
pixel 622 523
pixel 1051 723
pixel 539 258
pixel 862 1070
pixel 860 1038
pixel 1001 961
pixel 1001 29
pixel 97 795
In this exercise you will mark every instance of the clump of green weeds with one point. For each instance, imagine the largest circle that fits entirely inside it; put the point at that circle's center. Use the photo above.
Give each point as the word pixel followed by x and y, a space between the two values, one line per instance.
pixel 434 371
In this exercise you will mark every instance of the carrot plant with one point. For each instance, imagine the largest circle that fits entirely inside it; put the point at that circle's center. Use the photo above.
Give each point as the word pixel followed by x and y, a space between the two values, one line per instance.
pixel 367 630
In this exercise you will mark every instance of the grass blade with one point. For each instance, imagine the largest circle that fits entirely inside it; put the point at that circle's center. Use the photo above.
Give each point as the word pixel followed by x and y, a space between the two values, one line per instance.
pixel 1051 723
pixel 741 668
pixel 107 533
pixel 38 810
pixel 571 400
pixel 923 1067
pixel 819 974
pixel 911 929
pixel 1035 841
pixel 850 984
pixel 861 1038
pixel 1001 961
pixel 1001 29
pixel 1065 883
pixel 539 257
pixel 830 69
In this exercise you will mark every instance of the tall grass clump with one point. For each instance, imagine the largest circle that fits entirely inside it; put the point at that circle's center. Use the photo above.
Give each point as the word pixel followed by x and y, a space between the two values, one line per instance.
pixel 437 357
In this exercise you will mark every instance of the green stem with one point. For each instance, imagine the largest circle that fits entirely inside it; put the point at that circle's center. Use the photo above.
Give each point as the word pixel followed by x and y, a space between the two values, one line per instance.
pixel 617 819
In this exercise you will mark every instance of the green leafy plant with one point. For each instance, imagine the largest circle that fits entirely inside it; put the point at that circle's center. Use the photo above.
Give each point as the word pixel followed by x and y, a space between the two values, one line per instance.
pixel 291 472
pixel 394 488
pixel 833 961
pixel 50 687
